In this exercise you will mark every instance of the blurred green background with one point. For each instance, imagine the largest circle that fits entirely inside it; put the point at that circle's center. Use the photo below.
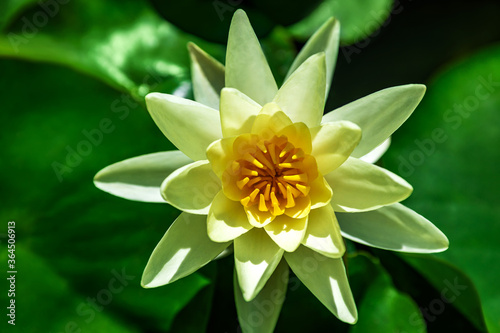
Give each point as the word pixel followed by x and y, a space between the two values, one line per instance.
pixel 73 75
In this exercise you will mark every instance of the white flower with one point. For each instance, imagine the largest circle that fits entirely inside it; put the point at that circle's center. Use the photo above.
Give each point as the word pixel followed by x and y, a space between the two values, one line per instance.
pixel 271 174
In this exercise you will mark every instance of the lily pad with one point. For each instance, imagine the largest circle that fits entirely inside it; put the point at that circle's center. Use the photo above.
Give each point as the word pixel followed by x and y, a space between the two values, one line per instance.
pixel 358 18
pixel 124 43
pixel 448 151
pixel 52 149
pixel 386 309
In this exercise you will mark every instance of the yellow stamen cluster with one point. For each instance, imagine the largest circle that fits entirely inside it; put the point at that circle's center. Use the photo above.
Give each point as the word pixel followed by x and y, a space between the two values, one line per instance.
pixel 272 175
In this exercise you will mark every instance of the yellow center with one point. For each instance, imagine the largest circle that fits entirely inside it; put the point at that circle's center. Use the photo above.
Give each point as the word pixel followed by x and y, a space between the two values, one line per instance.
pixel 272 175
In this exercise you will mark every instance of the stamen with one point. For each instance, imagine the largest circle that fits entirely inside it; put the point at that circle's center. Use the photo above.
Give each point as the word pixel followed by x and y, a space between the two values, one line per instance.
pixel 272 175
pixel 288 148
pixel 302 188
pixel 290 202
pixel 254 181
pixel 266 192
pixel 262 204
pixel 245 201
pixel 253 160
pixel 262 147
pixel 294 191
pixel 248 172
pixel 265 161
pixel 242 182
pixel 296 178
pixel 282 190
pixel 272 152
pixel 254 193
pixel 290 165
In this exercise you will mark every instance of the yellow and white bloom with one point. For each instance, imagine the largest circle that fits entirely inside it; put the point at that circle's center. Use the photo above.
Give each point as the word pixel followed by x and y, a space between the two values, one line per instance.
pixel 260 167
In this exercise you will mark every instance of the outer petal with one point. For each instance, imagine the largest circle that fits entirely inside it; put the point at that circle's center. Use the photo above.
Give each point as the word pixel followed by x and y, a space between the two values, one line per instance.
pixel 323 233
pixel 184 248
pixel 361 186
pixel 273 295
pixel 226 220
pixel 394 227
pixel 139 178
pixel 238 112
pixel 287 232
pixel 326 279
pixel 256 257
pixel 333 143
pixel 191 188
pixel 302 96
pixel 189 125
pixel 207 75
pixel 325 39
pixel 246 66
pixel 379 114
pixel 377 153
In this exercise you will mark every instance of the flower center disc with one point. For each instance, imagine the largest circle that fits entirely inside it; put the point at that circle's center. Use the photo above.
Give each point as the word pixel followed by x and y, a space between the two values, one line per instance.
pixel 272 175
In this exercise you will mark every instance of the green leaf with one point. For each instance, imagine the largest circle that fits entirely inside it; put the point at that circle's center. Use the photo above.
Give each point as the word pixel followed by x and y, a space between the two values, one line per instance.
pixel 52 147
pixel 448 151
pixel 37 281
pixel 456 288
pixel 125 44
pixel 358 18
pixel 10 8
pixel 385 309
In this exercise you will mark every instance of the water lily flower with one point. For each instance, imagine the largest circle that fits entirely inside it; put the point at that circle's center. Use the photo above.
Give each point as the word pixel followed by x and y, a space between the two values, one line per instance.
pixel 261 168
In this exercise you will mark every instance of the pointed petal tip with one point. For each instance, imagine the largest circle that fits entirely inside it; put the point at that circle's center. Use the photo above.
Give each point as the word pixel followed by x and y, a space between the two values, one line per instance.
pixel 153 97
pixel 229 90
pixel 353 319
pixel 422 88
pixel 97 176
pixel 442 244
pixel 248 297
pixel 148 283
pixel 192 46
pixel 240 13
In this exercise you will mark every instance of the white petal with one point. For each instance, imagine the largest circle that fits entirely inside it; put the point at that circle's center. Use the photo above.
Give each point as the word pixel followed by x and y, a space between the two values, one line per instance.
pixel 361 186
pixel 207 76
pixel 261 314
pixel 287 232
pixel 192 187
pixel 379 114
pixel 227 219
pixel 139 178
pixel 325 39
pixel 237 112
pixel 184 248
pixel 189 125
pixel 333 143
pixel 323 233
pixel 377 153
pixel 326 279
pixel 393 227
pixel 256 257
pixel 246 66
pixel 302 96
